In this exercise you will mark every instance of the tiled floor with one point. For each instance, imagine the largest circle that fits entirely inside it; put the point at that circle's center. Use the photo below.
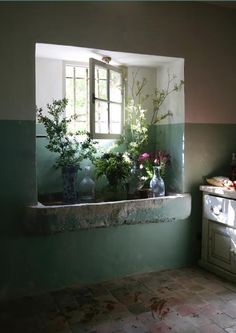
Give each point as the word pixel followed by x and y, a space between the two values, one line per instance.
pixel 187 300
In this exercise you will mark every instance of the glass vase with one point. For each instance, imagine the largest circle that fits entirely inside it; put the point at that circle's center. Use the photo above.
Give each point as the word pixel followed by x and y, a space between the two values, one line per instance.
pixel 86 187
pixel 157 184
pixel 135 183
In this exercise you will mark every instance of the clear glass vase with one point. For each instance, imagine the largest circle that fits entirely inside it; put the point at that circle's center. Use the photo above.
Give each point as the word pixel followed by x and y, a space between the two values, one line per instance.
pixel 135 183
pixel 86 187
pixel 157 184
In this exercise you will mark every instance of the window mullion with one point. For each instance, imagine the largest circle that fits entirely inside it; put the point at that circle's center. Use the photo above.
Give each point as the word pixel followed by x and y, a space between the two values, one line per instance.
pixel 74 93
pixel 108 99
pixel 92 95
pixel 87 98
pixel 98 87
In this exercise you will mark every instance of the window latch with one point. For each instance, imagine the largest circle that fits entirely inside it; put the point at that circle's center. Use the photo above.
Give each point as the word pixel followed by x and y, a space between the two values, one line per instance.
pixel 93 98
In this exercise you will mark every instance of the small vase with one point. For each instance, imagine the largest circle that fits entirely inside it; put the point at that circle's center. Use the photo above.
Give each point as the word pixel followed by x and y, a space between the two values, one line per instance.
pixel 69 176
pixel 87 187
pixel 157 184
pixel 135 183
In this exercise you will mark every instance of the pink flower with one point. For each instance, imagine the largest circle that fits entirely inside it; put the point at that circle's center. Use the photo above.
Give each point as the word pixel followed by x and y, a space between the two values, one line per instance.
pixel 144 157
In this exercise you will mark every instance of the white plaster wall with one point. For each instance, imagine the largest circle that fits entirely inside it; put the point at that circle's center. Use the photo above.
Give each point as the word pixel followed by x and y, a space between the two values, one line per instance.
pixel 49 81
pixel 175 101
pixel 157 78
pixel 141 73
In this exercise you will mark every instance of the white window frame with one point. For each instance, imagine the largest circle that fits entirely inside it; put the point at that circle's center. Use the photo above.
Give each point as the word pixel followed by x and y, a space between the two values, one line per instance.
pixel 92 63
pixel 91 105
pixel 76 64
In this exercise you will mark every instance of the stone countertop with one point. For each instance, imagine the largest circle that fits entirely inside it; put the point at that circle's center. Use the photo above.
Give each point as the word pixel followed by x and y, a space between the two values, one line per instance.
pixel 219 191
pixel 46 220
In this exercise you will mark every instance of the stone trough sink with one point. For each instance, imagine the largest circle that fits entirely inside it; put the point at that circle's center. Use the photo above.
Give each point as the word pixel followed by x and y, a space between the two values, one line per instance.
pixel 45 220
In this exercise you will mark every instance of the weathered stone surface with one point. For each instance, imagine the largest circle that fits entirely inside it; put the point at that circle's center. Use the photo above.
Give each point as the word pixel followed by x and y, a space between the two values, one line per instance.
pixel 221 191
pixel 54 219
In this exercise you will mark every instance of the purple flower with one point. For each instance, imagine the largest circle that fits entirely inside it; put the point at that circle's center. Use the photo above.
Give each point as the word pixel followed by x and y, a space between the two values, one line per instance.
pixel 157 158
pixel 144 157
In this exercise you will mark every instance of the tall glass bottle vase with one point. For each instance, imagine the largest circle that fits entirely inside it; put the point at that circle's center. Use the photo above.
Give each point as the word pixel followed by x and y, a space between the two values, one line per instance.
pixel 87 187
pixel 157 184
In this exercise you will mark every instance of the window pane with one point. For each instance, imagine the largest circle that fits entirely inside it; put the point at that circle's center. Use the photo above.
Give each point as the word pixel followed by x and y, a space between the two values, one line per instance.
pixel 100 82
pixel 81 104
pixel 115 118
pixel 81 95
pixel 101 117
pixel 81 125
pixel 69 71
pixel 70 97
pixel 115 87
pixel 80 72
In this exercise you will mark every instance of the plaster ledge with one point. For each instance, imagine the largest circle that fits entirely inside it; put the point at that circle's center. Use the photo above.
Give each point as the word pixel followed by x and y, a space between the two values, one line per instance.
pixel 45 220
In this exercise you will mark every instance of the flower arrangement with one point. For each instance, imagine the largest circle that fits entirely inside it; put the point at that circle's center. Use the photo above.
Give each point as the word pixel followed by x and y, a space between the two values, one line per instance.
pixel 157 158
pixel 70 148
pixel 115 166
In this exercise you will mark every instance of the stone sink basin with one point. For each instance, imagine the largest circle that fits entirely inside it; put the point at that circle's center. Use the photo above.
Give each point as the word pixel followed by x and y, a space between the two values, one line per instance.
pixel 45 220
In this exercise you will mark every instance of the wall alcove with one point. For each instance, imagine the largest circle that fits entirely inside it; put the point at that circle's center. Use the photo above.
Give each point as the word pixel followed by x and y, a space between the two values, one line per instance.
pixel 167 135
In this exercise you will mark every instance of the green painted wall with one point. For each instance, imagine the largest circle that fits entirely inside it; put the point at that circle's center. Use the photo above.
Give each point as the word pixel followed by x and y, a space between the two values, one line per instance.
pixel 167 137
pixel 35 264
pixel 17 147
pixel 48 178
pixel 208 152
pixel 170 138
pixel 93 255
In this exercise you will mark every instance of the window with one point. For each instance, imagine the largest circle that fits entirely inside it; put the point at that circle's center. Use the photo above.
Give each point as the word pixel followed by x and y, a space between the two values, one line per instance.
pixel 77 93
pixel 95 95
pixel 106 104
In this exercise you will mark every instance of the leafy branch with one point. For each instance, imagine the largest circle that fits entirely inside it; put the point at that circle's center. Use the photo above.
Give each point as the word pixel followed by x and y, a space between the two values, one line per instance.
pixel 160 96
pixel 135 134
pixel 72 148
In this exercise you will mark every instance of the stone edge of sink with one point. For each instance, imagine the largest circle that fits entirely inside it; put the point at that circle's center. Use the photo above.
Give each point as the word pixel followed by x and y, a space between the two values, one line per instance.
pixel 48 220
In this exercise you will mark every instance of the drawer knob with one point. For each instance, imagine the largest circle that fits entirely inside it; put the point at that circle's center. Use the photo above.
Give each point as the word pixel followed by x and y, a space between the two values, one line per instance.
pixel 216 210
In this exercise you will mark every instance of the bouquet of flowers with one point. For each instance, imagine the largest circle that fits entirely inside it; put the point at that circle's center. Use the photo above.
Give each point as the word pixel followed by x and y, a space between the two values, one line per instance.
pixel 157 158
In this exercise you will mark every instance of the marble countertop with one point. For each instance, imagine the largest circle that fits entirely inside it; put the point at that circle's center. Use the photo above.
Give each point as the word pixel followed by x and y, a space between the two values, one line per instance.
pixel 220 191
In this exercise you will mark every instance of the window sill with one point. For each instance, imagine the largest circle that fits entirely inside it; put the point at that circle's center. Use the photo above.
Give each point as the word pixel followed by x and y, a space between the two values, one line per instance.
pixel 47 220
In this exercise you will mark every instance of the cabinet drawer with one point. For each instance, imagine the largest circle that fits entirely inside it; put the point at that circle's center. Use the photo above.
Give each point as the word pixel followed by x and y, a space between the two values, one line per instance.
pixel 220 210
pixel 220 251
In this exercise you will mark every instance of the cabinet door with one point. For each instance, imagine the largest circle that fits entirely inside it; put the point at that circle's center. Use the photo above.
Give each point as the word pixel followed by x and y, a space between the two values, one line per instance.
pixel 221 250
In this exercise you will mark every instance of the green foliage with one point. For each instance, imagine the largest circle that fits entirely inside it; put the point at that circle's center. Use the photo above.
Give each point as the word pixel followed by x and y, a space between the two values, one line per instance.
pixel 71 148
pixel 115 166
pixel 135 134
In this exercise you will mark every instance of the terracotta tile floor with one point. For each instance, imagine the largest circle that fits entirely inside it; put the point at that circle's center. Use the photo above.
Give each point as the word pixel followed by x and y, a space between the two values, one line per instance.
pixel 186 300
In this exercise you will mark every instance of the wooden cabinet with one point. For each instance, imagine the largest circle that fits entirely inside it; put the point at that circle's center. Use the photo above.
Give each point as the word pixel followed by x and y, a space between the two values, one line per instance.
pixel 220 252
pixel 219 234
